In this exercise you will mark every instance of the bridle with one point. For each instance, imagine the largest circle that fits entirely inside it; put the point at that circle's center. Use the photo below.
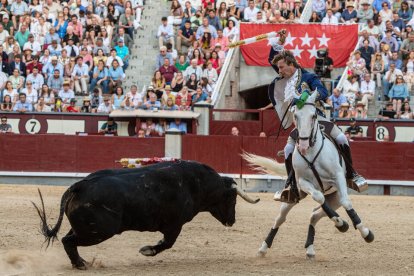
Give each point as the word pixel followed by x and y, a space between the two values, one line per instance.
pixel 313 133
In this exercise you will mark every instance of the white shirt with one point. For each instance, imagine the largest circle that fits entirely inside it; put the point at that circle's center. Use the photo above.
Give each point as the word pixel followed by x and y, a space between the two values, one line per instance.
pixel 37 81
pixel 393 75
pixel 35 46
pixel 80 71
pixel 103 108
pixel 32 97
pixel 68 49
pixel 3 36
pixel 66 95
pixel 190 70
pixel 332 20
pixel 250 14
pixel 134 99
pixel 165 29
pixel 368 87
pixel 111 58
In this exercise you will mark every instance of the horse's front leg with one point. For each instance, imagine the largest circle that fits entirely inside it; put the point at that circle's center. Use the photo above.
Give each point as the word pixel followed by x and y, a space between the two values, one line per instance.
pixel 317 214
pixel 280 219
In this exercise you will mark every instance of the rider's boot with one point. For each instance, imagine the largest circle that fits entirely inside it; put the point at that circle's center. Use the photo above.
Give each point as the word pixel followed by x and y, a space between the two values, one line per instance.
pixel 353 179
pixel 290 193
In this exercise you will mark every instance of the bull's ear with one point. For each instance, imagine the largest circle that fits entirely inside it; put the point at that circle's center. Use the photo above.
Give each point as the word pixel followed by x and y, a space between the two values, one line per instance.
pixel 228 181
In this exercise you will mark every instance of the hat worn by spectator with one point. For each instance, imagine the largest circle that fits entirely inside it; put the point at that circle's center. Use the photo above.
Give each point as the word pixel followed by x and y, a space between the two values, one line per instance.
pixel 297 1
pixel 73 100
pixel 66 82
pixel 364 2
pixel 168 87
pixel 352 120
pixel 350 4
pixel 121 40
pixel 54 58
pixel 86 99
pixel 360 104
pixel 231 3
pixel 6 16
pixel 218 45
pixel 150 88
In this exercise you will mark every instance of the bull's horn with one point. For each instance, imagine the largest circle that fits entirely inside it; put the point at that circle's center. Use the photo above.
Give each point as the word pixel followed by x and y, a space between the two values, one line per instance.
pixel 243 195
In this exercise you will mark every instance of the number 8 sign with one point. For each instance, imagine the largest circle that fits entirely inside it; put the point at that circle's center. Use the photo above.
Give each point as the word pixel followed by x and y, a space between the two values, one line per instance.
pixel 381 133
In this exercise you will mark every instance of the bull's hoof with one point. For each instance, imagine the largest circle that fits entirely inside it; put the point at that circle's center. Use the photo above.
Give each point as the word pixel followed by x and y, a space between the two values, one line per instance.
pixel 344 227
pixel 81 265
pixel 370 237
pixel 148 251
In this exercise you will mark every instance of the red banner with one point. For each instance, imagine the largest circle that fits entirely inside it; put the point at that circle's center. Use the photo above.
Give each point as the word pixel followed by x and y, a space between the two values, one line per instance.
pixel 304 40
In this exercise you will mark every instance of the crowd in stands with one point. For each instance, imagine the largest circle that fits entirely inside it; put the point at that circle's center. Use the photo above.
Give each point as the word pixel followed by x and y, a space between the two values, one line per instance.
pixel 382 68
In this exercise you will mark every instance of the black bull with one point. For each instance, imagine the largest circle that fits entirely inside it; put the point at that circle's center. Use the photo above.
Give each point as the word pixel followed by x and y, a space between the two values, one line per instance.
pixel 161 197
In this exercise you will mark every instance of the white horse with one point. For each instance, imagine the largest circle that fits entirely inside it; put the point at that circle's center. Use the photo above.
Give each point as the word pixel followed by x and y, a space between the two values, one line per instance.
pixel 313 153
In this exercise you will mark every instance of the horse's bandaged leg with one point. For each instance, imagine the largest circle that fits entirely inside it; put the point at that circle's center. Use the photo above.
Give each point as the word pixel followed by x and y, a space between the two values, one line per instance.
pixel 354 217
pixel 271 236
pixel 311 236
pixel 333 215
pixel 364 231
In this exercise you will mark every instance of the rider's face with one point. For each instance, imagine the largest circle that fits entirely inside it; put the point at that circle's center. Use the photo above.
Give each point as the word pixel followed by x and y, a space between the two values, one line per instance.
pixel 285 70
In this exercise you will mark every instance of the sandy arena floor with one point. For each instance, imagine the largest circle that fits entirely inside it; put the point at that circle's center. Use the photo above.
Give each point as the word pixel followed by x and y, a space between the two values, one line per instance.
pixel 205 247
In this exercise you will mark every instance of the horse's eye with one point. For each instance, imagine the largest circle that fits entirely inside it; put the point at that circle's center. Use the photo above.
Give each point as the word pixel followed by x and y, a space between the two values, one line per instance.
pixel 314 116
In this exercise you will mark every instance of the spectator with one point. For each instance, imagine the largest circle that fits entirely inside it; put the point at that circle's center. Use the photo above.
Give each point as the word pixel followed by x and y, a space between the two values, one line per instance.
pixel 135 97
pixel 48 96
pixel 168 71
pixel 22 105
pixel 357 64
pixel 371 29
pixel 122 35
pixel 19 65
pixel 398 93
pixel 210 74
pixel 409 71
pixel 335 100
pixel 113 57
pixel 110 127
pixel 206 27
pixel 214 20
pixel 385 13
pixel 4 34
pixel 377 69
pixel 52 66
pixel 86 106
pixel 80 77
pixel 241 5
pixel 354 130
pixel 231 31
pixel 277 17
pixel 126 104
pixel 366 53
pixel 349 15
pixel 162 55
pixel 206 43
pixel 7 104
pixel 170 105
pixel 184 105
pixel 177 82
pixel 66 94
pixel 152 103
pixel 4 126
pixel 115 76
pixel 360 112
pixel 122 51
pixel 390 40
pixel 55 81
pixel 405 112
pixel 405 12
pixel 126 21
pixel 118 97
pixel 31 93
pixel 250 12
pixel 100 77
pixel 181 63
pixel 235 131
pixel 345 111
pixel 397 22
pixel 330 18
pixel 149 127
pixel 387 112
pixel 10 91
pixel 378 4
pixel 367 91
pixel 167 94
pixel 161 127
pixel 193 69
pixel 141 133
pixel 4 65
pixel 32 64
pixel 72 108
pixel 365 13
pixel 396 60
pixel 96 99
pixel 165 33
pixel 36 79
pixel 351 89
pixel 199 96
pixel 407 46
pixel 158 83
pixel 106 106
pixel 179 125
pixel 185 36
pixel 16 80
pixel 33 45
pixel 389 79
pixel 319 7
pixel 3 80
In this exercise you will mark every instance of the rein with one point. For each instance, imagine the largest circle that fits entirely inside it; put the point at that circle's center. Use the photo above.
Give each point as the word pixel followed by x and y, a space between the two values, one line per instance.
pixel 311 141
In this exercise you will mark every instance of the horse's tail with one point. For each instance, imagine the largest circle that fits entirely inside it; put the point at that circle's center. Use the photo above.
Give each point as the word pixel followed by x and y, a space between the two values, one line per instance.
pixel 50 234
pixel 265 165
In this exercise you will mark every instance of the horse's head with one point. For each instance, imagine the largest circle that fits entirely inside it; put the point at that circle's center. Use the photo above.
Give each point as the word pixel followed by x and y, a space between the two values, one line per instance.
pixel 305 119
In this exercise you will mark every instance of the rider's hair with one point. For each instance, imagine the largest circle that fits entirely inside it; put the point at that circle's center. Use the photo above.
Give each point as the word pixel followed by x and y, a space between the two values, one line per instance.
pixel 288 57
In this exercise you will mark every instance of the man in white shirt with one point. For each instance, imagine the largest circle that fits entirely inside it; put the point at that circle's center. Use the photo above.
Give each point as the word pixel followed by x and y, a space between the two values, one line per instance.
pixel 165 33
pixel 71 48
pixel 66 94
pixel 367 90
pixel 193 69
pixel 259 18
pixel 106 106
pixel 112 57
pixel 32 45
pixel 36 79
pixel 4 34
pixel 80 76
pixel 250 12
pixel 389 79
pixel 330 18
pixel 135 97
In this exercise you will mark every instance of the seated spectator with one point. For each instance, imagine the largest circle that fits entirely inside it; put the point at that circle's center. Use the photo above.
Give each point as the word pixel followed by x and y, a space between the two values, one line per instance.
pixel 371 29
pixel 10 91
pixel 141 133
pixel 51 66
pixel 214 20
pixel 167 94
pixel 277 17
pixel 235 131
pixel 405 112
pixel 199 96
pixel 152 103
pixel 170 105
pixel 122 35
pixel 367 90
pixel 398 93
pixel 36 79
pixel 179 125
pixel 118 97
pixel 16 80
pixel 185 105
pixel 110 127
pixel 351 89
pixel 210 74
pixel 122 51
pixel 206 43
pixel 48 96
pixel 185 36
pixel 173 52
pixel 4 126
pixel 357 64
pixel 183 95
pixel 165 32
pixel 31 93
pixel 19 65
pixel 366 53
pixel 126 21
pixel 330 18
pixel 223 14
pixel 192 83
pixel 385 13
pixel 360 112
pixel 365 12
pixel 390 41
pixel 135 97
pixel 161 56
pixel 22 105
pixel 231 31
pixel 112 57
pixel 4 34
pixel 220 40
pixel 22 35
pixel 80 77
pixel 405 12
pixel 149 127
pixel 198 55
pixel 55 81
pixel 7 104
pixel 389 79
pixel 168 71
pixel 408 71
pixel 206 87
pixel 32 45
pixel 54 48
pixel 177 82
pixel 388 112
pixel 250 12
pixel 176 13
pixel 158 83
pixel 106 106
pixel 335 101
pixel 71 48
pixel 349 15
pixel 206 27
pixel 354 130
pixel 115 76
pixel 396 60
pixel 100 77
pixel 345 112
pixel 377 68
pixel 72 107
pixel 86 106
pixel 127 104
pixel 193 69
pixel 161 127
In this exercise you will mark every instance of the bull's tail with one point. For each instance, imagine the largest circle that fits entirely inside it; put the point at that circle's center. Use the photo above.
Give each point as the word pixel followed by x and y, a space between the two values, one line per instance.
pixel 50 234
pixel 265 165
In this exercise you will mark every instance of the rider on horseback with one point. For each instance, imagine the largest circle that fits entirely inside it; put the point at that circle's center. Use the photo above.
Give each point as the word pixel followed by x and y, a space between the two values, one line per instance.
pixel 292 87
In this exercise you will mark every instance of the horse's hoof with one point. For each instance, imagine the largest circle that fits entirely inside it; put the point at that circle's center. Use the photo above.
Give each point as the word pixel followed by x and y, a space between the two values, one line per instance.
pixel 261 254
pixel 148 251
pixel 310 257
pixel 370 237
pixel 344 227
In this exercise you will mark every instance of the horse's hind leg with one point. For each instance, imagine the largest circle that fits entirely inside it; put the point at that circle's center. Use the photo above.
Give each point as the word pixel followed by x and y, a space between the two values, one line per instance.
pixel 280 219
pixel 367 234
pixel 317 214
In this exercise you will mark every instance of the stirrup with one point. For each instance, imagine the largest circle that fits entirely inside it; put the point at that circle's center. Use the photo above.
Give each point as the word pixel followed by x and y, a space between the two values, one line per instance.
pixel 358 183
pixel 286 195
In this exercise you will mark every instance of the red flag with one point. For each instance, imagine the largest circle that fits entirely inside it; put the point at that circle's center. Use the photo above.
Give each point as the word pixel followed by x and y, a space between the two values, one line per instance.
pixel 304 40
